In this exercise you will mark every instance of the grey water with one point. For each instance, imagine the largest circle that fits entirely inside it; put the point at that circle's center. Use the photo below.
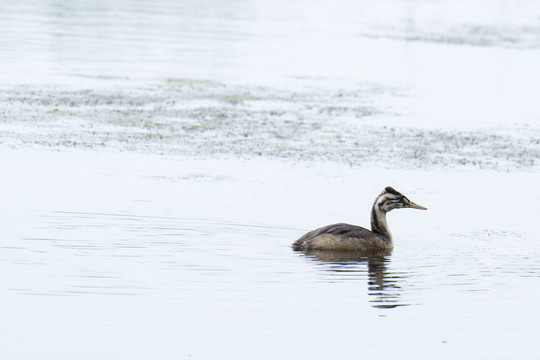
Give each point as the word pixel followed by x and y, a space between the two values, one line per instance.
pixel 159 159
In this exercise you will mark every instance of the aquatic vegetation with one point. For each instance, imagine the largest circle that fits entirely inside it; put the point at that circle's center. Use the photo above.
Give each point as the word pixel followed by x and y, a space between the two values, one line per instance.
pixel 203 118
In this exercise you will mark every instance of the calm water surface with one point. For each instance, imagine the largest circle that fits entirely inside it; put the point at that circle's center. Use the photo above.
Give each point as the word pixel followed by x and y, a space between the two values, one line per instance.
pixel 144 256
pixel 158 160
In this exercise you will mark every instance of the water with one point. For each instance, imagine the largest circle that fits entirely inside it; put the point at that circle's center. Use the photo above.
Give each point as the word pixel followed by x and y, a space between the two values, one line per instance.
pixel 158 160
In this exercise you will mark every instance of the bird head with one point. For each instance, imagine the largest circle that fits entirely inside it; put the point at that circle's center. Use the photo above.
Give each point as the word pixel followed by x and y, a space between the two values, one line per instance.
pixel 391 199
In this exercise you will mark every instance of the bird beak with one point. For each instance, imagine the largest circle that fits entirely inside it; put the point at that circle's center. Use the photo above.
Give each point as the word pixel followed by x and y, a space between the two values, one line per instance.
pixel 416 206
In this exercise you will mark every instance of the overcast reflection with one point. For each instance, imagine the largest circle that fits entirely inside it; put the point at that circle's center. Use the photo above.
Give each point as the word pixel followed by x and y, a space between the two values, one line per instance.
pixel 384 286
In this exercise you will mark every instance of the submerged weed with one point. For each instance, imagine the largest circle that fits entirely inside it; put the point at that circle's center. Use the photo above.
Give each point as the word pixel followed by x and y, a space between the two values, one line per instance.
pixel 204 118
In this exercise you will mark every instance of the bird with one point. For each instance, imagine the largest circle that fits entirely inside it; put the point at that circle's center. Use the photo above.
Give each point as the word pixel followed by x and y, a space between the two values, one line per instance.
pixel 346 237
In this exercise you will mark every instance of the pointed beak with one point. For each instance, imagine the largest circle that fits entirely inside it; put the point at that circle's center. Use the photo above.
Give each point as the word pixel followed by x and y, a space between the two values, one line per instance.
pixel 416 206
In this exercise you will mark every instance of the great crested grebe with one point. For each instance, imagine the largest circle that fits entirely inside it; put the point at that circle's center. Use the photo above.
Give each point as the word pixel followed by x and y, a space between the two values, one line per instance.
pixel 356 238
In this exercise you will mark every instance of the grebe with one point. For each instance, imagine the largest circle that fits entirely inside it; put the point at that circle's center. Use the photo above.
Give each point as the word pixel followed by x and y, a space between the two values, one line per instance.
pixel 356 238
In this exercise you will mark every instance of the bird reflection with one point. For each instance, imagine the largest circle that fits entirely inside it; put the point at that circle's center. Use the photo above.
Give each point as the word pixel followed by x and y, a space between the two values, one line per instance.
pixel 383 285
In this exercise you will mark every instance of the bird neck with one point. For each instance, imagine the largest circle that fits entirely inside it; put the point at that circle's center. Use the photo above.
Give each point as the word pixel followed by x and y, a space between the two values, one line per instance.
pixel 379 225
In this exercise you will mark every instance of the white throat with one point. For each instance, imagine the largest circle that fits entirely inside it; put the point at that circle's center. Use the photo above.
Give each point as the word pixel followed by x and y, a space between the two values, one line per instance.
pixel 378 219
pixel 381 221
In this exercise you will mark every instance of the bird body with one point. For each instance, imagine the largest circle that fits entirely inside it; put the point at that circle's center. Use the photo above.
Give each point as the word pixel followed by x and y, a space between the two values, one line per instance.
pixel 356 238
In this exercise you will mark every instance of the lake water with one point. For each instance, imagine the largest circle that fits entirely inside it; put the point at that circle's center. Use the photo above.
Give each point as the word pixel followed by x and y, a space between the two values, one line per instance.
pixel 159 159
